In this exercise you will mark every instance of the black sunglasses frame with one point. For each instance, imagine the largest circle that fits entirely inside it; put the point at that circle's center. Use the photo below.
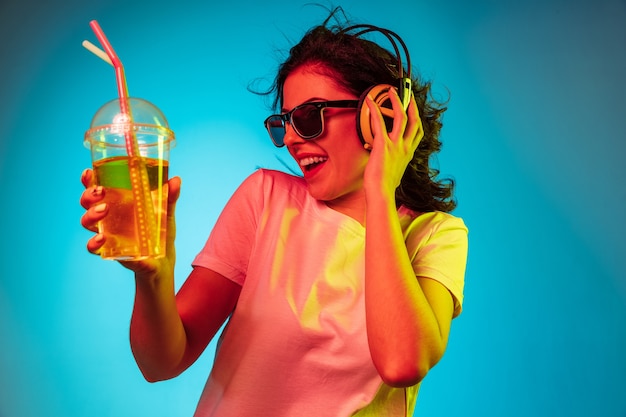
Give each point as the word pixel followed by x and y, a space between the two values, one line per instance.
pixel 288 117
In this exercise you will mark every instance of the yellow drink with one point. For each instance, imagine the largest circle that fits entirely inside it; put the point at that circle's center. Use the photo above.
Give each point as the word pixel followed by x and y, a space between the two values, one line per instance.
pixel 121 225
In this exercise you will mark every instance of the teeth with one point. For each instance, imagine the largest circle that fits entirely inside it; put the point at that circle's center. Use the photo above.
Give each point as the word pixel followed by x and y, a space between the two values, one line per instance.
pixel 312 160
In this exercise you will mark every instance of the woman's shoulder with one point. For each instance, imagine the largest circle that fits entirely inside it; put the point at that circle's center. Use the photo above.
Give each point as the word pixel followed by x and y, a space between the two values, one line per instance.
pixel 273 182
pixel 277 176
pixel 429 220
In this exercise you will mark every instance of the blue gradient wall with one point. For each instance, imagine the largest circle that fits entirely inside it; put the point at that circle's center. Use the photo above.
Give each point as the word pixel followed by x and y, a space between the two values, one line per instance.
pixel 534 137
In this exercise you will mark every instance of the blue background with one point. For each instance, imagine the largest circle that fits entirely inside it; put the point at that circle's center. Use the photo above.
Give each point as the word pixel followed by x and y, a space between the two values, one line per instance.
pixel 534 136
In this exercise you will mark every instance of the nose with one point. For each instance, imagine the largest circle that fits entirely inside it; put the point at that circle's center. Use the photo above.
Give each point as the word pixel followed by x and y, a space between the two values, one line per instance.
pixel 291 137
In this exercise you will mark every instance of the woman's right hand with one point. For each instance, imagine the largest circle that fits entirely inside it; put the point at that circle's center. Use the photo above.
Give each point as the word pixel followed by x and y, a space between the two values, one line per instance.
pixel 92 200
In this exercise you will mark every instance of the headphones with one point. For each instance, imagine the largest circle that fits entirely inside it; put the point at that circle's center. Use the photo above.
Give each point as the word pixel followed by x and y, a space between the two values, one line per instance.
pixel 380 93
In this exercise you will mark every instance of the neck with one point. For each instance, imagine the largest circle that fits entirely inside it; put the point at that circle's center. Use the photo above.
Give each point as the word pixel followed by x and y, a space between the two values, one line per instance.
pixel 352 206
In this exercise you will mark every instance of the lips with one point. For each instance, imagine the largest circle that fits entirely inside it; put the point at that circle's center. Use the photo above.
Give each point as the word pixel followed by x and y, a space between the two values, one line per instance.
pixel 310 164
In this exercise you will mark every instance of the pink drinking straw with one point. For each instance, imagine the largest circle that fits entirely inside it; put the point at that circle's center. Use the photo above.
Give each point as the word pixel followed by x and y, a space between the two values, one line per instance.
pixel 122 88
pixel 144 209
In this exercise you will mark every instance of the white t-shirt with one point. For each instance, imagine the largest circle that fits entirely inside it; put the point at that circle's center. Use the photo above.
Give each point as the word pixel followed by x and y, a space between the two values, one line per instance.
pixel 296 344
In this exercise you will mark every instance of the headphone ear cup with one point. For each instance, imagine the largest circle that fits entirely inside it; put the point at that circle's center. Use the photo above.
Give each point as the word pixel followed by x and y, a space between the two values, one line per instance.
pixel 379 95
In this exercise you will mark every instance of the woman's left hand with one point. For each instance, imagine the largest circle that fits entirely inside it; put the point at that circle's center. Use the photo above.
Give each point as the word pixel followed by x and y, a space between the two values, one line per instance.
pixel 392 151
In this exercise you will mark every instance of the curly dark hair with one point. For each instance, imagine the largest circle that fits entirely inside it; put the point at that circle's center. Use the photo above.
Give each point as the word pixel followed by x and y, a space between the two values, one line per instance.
pixel 357 64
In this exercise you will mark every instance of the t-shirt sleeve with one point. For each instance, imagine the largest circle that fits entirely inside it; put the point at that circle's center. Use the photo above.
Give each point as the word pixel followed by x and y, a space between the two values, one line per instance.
pixel 227 250
pixel 438 245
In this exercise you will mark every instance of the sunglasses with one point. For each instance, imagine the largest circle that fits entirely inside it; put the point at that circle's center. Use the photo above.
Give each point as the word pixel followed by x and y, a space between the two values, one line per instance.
pixel 307 120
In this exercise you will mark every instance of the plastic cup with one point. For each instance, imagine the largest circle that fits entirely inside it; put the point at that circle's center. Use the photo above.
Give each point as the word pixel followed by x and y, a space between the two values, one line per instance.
pixel 135 186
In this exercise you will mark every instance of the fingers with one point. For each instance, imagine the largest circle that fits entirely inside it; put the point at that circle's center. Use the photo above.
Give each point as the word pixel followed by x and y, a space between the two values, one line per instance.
pixel 91 196
pixel 95 243
pixel 376 118
pixel 399 115
pixel 172 197
pixel 96 210
pixel 87 178
pixel 93 193
pixel 91 200
pixel 174 185
pixel 93 215
pixel 174 190
pixel 406 124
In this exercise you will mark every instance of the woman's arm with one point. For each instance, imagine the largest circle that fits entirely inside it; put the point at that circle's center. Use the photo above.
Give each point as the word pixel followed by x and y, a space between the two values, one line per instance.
pixel 408 318
pixel 169 333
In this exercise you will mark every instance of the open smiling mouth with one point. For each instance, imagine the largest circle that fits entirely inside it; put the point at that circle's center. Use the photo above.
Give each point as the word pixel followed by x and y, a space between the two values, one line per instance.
pixel 310 163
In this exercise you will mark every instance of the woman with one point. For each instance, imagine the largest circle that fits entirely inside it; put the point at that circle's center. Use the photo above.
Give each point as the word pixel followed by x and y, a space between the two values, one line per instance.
pixel 338 286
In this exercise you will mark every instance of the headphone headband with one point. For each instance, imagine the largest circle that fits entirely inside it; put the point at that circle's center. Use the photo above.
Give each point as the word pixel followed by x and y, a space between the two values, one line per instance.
pixel 365 28
pixel 404 89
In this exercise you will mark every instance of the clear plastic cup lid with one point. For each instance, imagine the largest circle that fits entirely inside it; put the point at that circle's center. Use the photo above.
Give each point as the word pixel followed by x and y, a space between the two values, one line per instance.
pixel 146 119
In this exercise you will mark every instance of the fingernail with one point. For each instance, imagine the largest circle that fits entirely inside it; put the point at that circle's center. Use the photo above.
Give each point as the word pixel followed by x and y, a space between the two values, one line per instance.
pixel 97 191
pixel 100 207
pixel 99 237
